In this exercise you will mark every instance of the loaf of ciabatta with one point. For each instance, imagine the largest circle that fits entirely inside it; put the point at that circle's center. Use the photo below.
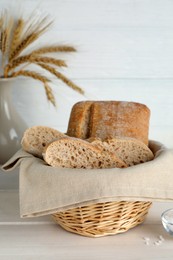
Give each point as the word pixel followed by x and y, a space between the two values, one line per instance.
pixel 109 119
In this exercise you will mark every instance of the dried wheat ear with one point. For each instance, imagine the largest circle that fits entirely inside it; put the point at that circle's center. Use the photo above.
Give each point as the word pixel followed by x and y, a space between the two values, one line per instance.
pixel 15 38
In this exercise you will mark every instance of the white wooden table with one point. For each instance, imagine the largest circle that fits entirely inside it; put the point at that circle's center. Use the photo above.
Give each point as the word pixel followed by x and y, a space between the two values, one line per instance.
pixel 41 238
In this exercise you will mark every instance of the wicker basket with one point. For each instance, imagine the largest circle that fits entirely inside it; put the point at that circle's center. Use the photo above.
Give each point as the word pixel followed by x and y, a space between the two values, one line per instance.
pixel 103 219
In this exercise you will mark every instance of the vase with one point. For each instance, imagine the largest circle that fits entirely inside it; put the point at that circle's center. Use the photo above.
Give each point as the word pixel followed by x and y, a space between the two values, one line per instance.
pixel 12 125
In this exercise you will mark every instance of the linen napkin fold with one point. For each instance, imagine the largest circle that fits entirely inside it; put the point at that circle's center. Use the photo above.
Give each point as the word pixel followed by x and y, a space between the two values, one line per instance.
pixel 45 190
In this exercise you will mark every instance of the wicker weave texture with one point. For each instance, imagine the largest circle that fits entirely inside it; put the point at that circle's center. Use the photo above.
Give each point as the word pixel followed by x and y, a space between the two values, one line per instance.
pixel 103 219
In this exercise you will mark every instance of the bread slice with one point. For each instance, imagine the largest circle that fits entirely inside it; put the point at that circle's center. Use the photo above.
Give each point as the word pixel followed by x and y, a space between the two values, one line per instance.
pixel 109 119
pixel 77 153
pixel 37 137
pixel 131 151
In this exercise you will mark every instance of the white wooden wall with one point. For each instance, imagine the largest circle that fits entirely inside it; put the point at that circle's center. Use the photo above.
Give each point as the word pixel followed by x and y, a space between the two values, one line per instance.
pixel 125 52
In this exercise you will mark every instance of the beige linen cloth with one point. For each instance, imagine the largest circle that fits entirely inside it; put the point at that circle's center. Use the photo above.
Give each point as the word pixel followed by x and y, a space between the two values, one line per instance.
pixel 46 190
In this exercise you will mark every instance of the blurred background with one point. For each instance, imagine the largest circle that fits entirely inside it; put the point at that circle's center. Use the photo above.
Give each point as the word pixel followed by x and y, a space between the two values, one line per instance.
pixel 125 52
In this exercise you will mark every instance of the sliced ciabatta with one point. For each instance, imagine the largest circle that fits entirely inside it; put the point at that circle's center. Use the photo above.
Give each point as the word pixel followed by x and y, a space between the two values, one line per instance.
pixel 131 151
pixel 37 137
pixel 77 153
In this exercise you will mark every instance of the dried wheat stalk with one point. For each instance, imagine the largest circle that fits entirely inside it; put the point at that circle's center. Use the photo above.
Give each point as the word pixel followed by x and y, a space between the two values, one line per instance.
pixel 49 94
pixel 49 49
pixel 6 27
pixel 23 45
pixel 8 35
pixel 36 24
pixel 1 29
pixel 4 40
pixel 61 77
pixel 1 22
pixel 30 38
pixel 32 74
pixel 3 45
pixel 69 82
pixel 32 59
pixel 16 36
pixel 37 76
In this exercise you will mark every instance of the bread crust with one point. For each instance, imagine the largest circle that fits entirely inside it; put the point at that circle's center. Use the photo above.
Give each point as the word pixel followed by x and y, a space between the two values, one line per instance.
pixel 79 120
pixel 117 118
pixel 109 119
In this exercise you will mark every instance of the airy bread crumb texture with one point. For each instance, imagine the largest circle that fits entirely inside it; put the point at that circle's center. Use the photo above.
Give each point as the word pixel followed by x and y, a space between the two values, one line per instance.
pixel 129 150
pixel 36 138
pixel 76 153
